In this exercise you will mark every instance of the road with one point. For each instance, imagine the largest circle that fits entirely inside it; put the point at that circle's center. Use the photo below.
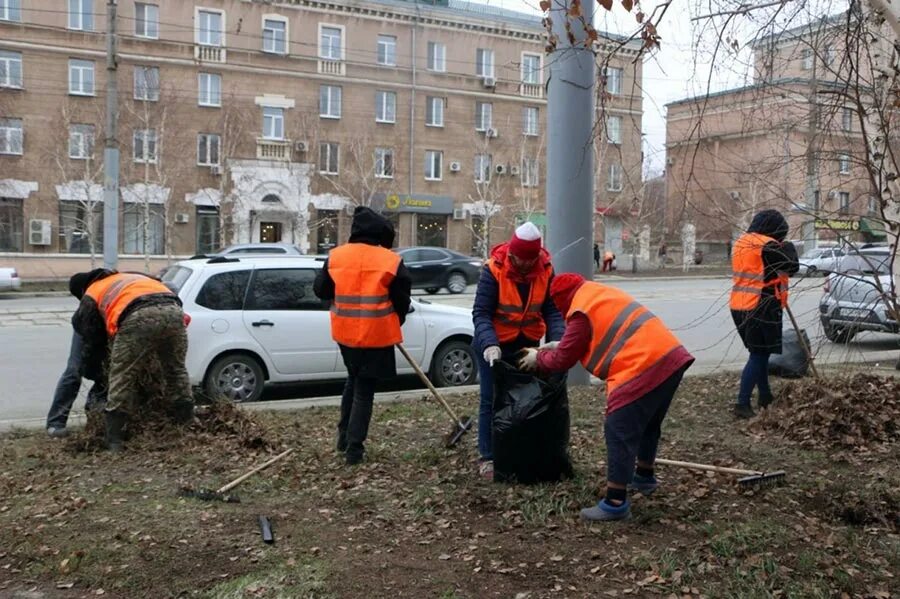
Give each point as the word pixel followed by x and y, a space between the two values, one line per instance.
pixel 32 357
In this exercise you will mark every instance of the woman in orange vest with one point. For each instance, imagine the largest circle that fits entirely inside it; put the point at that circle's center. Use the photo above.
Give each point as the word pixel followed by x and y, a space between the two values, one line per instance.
pixel 369 290
pixel 512 310
pixel 617 340
pixel 761 262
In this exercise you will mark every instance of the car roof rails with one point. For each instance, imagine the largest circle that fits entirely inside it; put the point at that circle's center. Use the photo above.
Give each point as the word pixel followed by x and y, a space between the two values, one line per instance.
pixel 221 260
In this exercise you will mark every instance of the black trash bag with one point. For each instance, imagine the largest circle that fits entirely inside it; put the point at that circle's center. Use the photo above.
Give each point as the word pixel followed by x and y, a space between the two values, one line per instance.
pixel 531 426
pixel 792 362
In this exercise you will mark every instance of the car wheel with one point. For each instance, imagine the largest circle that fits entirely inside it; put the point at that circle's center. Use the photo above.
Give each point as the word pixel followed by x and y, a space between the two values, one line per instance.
pixel 837 334
pixel 432 290
pixel 456 282
pixel 453 365
pixel 237 377
pixel 812 271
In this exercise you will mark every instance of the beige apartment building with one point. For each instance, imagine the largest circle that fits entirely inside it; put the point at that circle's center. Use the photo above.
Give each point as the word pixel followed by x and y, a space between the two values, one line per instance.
pixel 249 120
pixel 769 145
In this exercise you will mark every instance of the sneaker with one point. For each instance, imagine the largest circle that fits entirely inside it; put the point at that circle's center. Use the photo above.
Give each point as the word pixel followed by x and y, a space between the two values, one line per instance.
pixel 743 411
pixel 645 485
pixel 486 469
pixel 57 432
pixel 606 512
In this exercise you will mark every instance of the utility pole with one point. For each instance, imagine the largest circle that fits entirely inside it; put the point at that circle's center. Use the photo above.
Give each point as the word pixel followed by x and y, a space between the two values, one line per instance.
pixel 570 155
pixel 812 196
pixel 111 148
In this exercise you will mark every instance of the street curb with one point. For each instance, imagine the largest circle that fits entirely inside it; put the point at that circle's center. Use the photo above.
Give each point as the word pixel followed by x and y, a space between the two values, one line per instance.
pixel 32 294
pixel 659 278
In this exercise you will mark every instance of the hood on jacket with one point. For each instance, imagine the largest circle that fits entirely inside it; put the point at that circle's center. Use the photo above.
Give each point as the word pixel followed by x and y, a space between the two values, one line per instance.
pixel 371 228
pixel 79 282
pixel 771 223
pixel 563 289
pixel 499 255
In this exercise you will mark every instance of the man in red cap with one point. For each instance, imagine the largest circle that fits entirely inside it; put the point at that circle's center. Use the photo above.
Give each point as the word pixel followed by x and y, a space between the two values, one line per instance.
pixel 623 343
pixel 512 310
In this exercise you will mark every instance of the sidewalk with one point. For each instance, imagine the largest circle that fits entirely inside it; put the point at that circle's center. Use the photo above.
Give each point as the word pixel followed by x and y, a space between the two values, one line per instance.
pixel 31 317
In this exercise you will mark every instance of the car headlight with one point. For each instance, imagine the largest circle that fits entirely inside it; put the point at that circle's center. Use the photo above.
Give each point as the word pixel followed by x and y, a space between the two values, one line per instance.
pixel 475 263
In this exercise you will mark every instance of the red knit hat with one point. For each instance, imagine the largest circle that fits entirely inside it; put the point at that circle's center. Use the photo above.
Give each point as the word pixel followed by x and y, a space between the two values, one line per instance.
pixel 526 242
pixel 563 288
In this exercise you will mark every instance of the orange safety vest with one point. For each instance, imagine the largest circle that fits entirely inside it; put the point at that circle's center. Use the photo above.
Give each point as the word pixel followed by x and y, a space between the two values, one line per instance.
pixel 626 338
pixel 512 318
pixel 114 293
pixel 362 314
pixel 748 273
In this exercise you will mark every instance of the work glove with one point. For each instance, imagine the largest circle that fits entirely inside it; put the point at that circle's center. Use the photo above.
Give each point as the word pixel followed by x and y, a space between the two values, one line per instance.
pixel 491 354
pixel 528 359
pixel 551 345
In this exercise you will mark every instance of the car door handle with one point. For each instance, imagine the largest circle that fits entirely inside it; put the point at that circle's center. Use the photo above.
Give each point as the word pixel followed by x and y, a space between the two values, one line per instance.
pixel 263 323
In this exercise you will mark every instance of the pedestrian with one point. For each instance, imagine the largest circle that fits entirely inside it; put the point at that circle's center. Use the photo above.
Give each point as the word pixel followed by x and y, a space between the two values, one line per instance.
pixel 761 263
pixel 662 254
pixel 608 259
pixel 369 288
pixel 596 257
pixel 67 390
pixel 623 343
pixel 512 310
pixel 132 327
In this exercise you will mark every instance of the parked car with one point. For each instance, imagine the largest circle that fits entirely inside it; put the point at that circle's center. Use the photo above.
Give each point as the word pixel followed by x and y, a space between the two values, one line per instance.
pixel 9 278
pixel 248 249
pixel 256 320
pixel 433 268
pixel 852 301
pixel 819 261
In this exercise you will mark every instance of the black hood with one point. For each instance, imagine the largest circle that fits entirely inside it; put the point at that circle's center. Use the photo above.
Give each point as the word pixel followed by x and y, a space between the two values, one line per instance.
pixel 371 228
pixel 771 223
pixel 79 282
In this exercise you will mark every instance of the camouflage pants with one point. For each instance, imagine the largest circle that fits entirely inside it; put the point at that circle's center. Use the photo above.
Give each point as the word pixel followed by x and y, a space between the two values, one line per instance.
pixel 146 362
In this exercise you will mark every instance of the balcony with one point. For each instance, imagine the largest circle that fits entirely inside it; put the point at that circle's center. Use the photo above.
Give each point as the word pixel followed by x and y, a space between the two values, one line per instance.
pixel 273 149
pixel 332 67
pixel 209 53
pixel 532 90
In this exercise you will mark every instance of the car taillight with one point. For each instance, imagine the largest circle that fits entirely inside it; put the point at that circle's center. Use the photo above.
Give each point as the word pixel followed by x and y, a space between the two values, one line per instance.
pixel 187 319
pixel 827 287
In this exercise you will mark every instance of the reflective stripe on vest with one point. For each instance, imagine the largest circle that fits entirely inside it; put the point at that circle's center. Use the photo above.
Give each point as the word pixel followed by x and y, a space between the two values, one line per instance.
pixel 114 293
pixel 512 318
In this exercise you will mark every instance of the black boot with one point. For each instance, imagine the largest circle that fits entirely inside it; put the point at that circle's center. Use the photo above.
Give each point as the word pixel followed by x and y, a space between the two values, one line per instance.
pixel 765 401
pixel 182 411
pixel 358 428
pixel 341 441
pixel 116 420
pixel 743 411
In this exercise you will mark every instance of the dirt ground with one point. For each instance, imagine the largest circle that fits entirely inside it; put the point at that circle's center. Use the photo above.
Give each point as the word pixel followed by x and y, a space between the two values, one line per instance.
pixel 417 521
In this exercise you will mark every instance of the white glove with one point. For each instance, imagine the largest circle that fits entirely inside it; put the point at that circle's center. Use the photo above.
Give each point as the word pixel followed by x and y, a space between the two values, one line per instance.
pixel 491 354
pixel 550 345
pixel 528 359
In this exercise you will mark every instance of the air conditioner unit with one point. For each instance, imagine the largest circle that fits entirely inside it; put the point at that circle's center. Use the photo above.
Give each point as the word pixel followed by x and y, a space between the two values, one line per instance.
pixel 514 170
pixel 459 214
pixel 182 218
pixel 455 167
pixel 489 82
pixel 301 146
pixel 492 132
pixel 215 170
pixel 500 169
pixel 39 231
pixel 349 208
pixel 735 195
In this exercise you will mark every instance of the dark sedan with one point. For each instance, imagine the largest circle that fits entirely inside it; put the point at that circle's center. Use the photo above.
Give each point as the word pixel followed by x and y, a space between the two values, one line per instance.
pixel 433 268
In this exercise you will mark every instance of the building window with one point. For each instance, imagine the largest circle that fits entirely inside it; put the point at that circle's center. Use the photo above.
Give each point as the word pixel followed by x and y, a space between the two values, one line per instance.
pixel 144 145
pixel 531 69
pixel 873 205
pixel 483 115
pixel 10 69
pixel 615 178
pixel 210 85
pixel 529 172
pixel 844 198
pixel 384 163
pixel 137 240
pixel 81 142
pixel 210 27
pixel 146 20
pixel 484 63
pixel 437 57
pixel 829 55
pixel 330 43
pixel 81 15
pixel 614 129
pixel 273 122
pixel 10 10
pixel 844 164
pixel 434 111
pixel 483 166
pixel 434 160
pixel 208 145
pixel 806 56
pixel 81 77
pixel 613 80
pixel 146 83
pixel 207 230
pixel 329 158
pixel 11 222
pixel 11 136
pixel 80 227
pixel 385 107
pixel 847 119
pixel 330 102
pixel 275 36
pixel 431 231
pixel 387 50
pixel 530 121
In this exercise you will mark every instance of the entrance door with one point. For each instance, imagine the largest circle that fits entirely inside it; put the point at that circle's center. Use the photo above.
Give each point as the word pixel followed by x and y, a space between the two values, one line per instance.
pixel 269 232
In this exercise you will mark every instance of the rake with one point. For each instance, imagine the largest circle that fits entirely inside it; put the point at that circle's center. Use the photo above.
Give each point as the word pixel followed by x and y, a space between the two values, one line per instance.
pixel 750 478
pixel 221 494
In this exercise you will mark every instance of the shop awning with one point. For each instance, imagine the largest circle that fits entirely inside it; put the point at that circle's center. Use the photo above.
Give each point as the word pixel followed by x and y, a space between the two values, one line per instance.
pixel 873 227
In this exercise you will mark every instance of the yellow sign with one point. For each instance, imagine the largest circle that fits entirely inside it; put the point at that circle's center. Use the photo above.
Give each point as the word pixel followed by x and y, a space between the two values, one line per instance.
pixel 392 202
pixel 837 224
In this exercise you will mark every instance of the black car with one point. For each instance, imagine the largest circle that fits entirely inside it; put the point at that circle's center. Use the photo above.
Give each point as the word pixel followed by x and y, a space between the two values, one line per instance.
pixel 432 268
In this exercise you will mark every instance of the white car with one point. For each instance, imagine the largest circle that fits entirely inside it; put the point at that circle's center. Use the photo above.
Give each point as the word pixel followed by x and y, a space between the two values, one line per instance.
pixel 9 278
pixel 820 261
pixel 256 320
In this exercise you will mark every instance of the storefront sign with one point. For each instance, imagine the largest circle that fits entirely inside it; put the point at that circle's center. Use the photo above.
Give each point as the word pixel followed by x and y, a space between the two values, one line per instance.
pixel 413 203
pixel 835 224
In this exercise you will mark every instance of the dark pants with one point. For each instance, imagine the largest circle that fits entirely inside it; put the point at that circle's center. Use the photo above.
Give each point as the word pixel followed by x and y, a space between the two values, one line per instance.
pixel 356 411
pixel 607 265
pixel 486 390
pixel 633 430
pixel 68 386
pixel 755 374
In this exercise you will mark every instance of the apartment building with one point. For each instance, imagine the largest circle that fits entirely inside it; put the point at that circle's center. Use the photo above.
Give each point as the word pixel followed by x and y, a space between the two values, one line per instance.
pixel 251 120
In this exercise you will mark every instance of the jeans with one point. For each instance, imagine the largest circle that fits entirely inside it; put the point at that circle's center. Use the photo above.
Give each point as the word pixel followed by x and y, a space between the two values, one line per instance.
pixel 68 386
pixel 755 374
pixel 486 390
pixel 356 411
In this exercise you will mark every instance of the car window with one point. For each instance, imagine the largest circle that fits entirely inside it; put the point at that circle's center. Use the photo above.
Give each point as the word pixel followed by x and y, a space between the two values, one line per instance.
pixel 274 250
pixel 431 255
pixel 411 256
pixel 176 277
pixel 284 289
pixel 224 291
pixel 866 263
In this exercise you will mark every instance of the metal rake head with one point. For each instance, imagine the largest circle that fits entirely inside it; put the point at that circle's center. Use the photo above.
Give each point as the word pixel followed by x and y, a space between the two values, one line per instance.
pixel 763 480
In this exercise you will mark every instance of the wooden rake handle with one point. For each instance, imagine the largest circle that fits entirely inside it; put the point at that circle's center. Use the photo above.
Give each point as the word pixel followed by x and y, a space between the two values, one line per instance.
pixel 428 384
pixel 247 475
pixel 707 467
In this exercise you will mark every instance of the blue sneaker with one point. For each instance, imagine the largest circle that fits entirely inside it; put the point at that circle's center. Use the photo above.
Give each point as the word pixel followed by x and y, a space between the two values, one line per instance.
pixel 606 512
pixel 645 485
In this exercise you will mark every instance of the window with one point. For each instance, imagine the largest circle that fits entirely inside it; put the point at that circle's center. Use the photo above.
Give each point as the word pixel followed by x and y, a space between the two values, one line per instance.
pixel 329 158
pixel 81 77
pixel 437 57
pixel 10 69
pixel 10 10
pixel 530 116
pixel 210 85
pixel 829 55
pixel 384 163
pixel 873 205
pixel 434 111
pixel 275 36
pixel 844 198
pixel 81 141
pixel 210 27
pixel 80 227
pixel 385 107
pixel 11 222
pixel 531 69
pixel 431 230
pixel 138 239
pixel 484 63
pixel 844 164
pixel 387 50
pixel 615 178
pixel 483 165
pixel 613 80
pixel 284 289
pixel 330 43
pixel 614 129
pixel 144 145
pixel 81 15
pixel 273 122
pixel 330 102
pixel 433 165
pixel 224 291
pixel 806 56
pixel 10 136
pixel 483 115
pixel 208 145
pixel 146 20
pixel 146 83
pixel 529 172
pixel 208 232
pixel 847 119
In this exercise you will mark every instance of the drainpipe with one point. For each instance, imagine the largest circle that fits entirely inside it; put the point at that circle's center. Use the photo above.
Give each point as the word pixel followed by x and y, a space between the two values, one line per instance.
pixel 412 114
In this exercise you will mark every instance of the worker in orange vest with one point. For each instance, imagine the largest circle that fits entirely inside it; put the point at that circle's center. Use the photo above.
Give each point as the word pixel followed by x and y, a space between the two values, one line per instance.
pixel 620 341
pixel 131 323
pixel 369 290
pixel 761 262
